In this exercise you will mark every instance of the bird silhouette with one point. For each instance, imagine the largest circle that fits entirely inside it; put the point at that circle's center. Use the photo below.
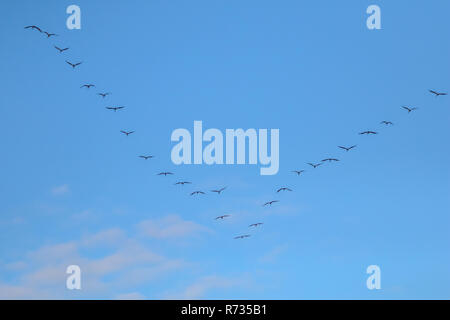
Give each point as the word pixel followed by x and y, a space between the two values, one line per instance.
pixel 34 28
pixel 437 94
pixel 219 191
pixel 146 157
pixel 256 224
pixel 388 123
pixel 88 86
pixel 127 133
pixel 409 109
pixel 242 237
pixel 283 189
pixel 368 132
pixel 330 160
pixel 164 173
pixel 197 192
pixel 270 203
pixel 61 50
pixel 183 183
pixel 115 108
pixel 298 172
pixel 103 95
pixel 50 34
pixel 222 217
pixel 73 65
pixel 314 165
pixel 347 148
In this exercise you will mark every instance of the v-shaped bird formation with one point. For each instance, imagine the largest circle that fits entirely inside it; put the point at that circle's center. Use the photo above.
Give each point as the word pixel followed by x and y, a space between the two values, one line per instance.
pixel 219 191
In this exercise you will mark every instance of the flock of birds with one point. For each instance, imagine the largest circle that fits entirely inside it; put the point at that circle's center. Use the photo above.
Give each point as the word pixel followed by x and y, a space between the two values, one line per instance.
pixel 219 191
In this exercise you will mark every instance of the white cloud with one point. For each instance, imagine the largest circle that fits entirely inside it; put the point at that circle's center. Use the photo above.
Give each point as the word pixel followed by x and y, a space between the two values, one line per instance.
pixel 109 237
pixel 202 286
pixel 171 226
pixel 273 254
pixel 130 296
pixel 60 190
pixel 130 264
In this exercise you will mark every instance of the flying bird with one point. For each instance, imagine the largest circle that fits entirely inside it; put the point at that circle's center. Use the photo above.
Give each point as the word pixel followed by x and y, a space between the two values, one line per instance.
pixel 183 183
pixel 61 50
pixel 73 65
pixel 146 157
pixel 88 86
pixel 197 192
pixel 222 217
pixel 104 94
pixel 409 109
pixel 50 34
pixel 347 148
pixel 314 165
pixel 256 224
pixel 219 191
pixel 298 172
pixel 242 237
pixel 388 123
pixel 330 159
pixel 34 27
pixel 127 133
pixel 437 94
pixel 283 189
pixel 114 108
pixel 270 203
pixel 164 173
pixel 368 132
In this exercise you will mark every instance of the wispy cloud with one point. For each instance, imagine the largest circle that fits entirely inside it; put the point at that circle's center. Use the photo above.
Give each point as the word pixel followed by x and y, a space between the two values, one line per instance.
pixel 130 296
pixel 60 190
pixel 171 226
pixel 42 273
pixel 202 286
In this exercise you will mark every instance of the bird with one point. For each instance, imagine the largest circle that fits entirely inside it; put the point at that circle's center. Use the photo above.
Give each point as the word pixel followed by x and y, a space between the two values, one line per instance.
pixel 115 108
pixel 242 237
pixel 146 157
pixel 127 133
pixel 298 172
pixel 50 34
pixel 437 94
pixel 256 224
pixel 183 183
pixel 222 217
pixel 74 64
pixel 314 165
pixel 347 148
pixel 330 159
pixel 88 86
pixel 34 27
pixel 386 123
pixel 368 132
pixel 197 192
pixel 219 191
pixel 164 173
pixel 104 94
pixel 270 203
pixel 283 189
pixel 409 109
pixel 61 50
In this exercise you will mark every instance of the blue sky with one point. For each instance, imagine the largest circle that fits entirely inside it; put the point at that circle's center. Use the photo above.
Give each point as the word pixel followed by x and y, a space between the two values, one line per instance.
pixel 75 192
